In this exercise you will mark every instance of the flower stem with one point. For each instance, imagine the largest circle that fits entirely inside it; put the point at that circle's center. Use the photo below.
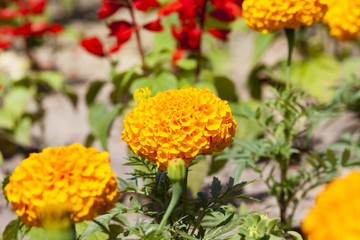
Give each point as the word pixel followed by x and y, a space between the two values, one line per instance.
pixel 174 199
pixel 138 39
pixel 66 233
pixel 199 50
pixel 184 190
pixel 290 35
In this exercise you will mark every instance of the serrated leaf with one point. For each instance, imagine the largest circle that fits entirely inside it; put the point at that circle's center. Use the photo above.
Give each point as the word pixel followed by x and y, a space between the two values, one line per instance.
pixel 100 121
pixel 93 90
pixel 215 187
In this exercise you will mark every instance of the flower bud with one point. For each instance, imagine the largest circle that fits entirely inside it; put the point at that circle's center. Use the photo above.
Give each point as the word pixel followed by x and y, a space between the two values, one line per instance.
pixel 142 93
pixel 176 169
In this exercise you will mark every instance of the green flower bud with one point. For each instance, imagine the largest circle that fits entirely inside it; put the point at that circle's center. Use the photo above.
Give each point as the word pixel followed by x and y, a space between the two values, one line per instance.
pixel 176 170
pixel 142 93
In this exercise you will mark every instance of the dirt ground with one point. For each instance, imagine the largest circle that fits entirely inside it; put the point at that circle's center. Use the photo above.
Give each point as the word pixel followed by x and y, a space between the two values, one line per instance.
pixel 65 125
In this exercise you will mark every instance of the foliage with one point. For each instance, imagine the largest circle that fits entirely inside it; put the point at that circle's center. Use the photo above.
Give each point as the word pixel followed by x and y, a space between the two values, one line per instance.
pixel 286 118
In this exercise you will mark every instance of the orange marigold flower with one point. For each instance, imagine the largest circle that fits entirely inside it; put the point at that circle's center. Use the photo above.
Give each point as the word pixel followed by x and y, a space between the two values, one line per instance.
pixel 335 215
pixel 342 18
pixel 268 16
pixel 179 124
pixel 76 177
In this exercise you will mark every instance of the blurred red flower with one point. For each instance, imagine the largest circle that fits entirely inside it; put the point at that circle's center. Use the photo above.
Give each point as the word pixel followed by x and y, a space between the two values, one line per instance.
pixel 93 45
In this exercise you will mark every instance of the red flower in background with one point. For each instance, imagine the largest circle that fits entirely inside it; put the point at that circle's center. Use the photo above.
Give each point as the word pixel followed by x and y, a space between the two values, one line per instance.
pixel 122 30
pixel 4 44
pixel 19 20
pixel 154 26
pixel 93 45
pixel 192 19
pixel 108 8
pixel 8 13
pixel 188 36
pixel 145 5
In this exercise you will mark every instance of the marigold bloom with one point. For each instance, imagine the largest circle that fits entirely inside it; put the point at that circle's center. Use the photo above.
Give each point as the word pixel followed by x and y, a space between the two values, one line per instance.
pixel 342 18
pixel 269 16
pixel 179 124
pixel 336 213
pixel 71 176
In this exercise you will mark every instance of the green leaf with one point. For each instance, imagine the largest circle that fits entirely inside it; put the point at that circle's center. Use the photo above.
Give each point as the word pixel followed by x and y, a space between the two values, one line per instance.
pixel 92 232
pixel 187 64
pixel 296 235
pixel 226 88
pixel 11 230
pixel 93 90
pixel 209 85
pixel 54 78
pixel 318 158
pixel 135 204
pixel 226 221
pixel 317 76
pixel 239 170
pixel 22 131
pixel 164 81
pixel 14 106
pixel 4 183
pixel 271 224
pixel 345 157
pixel 215 187
pixel 197 174
pixel 186 236
pixel 100 121
pixel 37 234
pixel 262 43
pixel 331 157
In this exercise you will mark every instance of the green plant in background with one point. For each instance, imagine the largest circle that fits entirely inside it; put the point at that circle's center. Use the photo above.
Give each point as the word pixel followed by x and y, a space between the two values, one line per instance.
pixel 285 119
pixel 25 26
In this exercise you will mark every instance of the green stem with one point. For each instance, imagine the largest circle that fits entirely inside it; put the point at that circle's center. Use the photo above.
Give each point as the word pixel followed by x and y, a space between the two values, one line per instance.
pixel 66 233
pixel 290 35
pixel 174 200
pixel 184 190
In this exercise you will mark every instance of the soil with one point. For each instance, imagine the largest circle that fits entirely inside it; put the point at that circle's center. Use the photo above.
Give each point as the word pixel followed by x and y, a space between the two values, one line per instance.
pixel 65 124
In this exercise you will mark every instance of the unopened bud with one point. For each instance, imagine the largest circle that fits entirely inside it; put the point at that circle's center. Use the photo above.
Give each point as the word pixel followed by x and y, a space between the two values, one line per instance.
pixel 142 93
pixel 176 169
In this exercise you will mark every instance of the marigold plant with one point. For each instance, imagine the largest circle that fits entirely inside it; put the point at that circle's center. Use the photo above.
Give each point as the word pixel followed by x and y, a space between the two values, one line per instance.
pixel 73 176
pixel 342 18
pixel 336 212
pixel 269 16
pixel 179 124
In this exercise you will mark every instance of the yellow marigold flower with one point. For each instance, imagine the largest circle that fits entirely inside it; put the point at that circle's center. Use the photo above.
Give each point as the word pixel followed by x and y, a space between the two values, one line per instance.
pixel 343 19
pixel 268 16
pixel 336 213
pixel 179 124
pixel 77 179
